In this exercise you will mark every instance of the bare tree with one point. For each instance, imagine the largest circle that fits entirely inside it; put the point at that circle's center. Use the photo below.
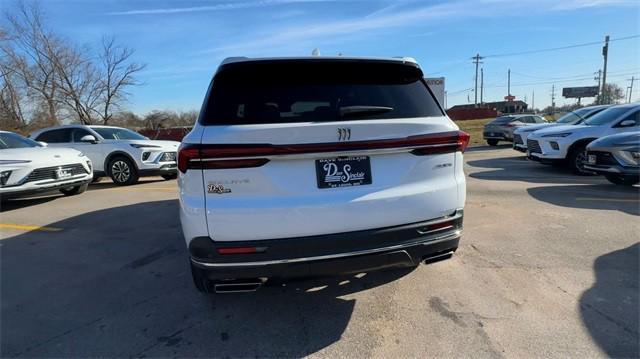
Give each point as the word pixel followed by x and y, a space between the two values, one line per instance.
pixel 119 73
pixel 12 98
pixel 27 51
pixel 79 83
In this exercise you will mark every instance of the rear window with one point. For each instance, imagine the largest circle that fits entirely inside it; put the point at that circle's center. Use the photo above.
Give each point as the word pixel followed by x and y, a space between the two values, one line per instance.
pixel 502 120
pixel 316 91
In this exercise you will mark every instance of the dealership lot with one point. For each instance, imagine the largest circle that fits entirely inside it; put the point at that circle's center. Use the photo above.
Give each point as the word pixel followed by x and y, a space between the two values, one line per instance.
pixel 548 266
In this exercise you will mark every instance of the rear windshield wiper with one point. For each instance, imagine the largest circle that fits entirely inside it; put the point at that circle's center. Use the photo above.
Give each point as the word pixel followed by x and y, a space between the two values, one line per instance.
pixel 354 111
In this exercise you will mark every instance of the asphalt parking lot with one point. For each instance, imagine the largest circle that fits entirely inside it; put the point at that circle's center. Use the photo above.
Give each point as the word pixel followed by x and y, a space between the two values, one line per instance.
pixel 548 267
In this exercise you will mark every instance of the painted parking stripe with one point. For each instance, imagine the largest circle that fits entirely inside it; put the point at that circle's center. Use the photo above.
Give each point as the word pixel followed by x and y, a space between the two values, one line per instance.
pixel 29 227
pixel 607 199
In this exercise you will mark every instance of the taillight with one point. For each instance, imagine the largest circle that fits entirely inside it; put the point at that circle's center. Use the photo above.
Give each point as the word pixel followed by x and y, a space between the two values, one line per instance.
pixel 192 156
pixel 220 156
pixel 241 250
pixel 444 143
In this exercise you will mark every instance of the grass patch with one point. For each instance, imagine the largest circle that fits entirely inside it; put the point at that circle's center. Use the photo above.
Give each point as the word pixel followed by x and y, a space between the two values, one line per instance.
pixel 474 128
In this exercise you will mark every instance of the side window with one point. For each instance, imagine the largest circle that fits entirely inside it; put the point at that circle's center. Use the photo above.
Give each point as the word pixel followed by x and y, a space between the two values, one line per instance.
pixel 632 117
pixel 526 119
pixel 538 119
pixel 78 133
pixel 55 136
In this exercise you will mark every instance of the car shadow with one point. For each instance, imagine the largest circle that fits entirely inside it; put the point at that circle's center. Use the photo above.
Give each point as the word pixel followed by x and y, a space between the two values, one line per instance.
pixel 598 196
pixel 108 184
pixel 519 168
pixel 609 309
pixel 116 282
pixel 11 204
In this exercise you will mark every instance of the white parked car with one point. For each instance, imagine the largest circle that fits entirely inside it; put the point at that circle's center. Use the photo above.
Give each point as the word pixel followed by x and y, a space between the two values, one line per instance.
pixel 119 153
pixel 576 117
pixel 317 166
pixel 568 143
pixel 28 167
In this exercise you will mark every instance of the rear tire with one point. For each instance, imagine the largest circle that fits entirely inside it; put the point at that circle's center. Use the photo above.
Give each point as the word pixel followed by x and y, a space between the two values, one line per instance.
pixel 576 160
pixel 492 142
pixel 122 171
pixel 623 180
pixel 199 279
pixel 72 191
pixel 170 177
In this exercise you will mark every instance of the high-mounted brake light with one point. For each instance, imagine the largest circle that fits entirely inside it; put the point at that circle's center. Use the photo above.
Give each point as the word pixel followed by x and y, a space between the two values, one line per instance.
pixel 219 156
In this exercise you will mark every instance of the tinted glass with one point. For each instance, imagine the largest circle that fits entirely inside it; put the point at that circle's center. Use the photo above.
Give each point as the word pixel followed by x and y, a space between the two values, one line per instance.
pixel 578 115
pixel 317 91
pixel 607 116
pixel 12 140
pixel 117 133
pixel 502 120
pixel 55 136
pixel 538 119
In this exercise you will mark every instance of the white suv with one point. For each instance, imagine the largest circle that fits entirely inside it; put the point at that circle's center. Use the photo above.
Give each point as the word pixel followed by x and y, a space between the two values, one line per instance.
pixel 28 167
pixel 301 167
pixel 119 153
pixel 568 143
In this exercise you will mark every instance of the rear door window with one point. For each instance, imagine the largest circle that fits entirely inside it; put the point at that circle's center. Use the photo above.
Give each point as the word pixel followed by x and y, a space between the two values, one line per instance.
pixel 62 135
pixel 317 91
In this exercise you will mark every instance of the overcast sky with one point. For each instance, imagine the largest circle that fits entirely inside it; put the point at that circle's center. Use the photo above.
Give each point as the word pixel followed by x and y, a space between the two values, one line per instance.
pixel 184 41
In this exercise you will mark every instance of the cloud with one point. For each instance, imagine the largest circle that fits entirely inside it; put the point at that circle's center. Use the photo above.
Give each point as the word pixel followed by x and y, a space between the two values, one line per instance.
pixel 331 29
pixel 216 7
pixel 582 4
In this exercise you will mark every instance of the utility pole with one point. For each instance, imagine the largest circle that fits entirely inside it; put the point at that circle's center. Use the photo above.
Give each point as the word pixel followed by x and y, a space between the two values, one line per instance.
pixel 553 99
pixel 509 82
pixel 481 85
pixel 476 60
pixel 631 88
pixel 605 53
pixel 533 101
pixel 598 78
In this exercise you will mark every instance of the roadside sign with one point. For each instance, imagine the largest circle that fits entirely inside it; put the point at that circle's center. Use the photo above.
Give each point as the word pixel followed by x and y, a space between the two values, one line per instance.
pixel 578 92
pixel 436 84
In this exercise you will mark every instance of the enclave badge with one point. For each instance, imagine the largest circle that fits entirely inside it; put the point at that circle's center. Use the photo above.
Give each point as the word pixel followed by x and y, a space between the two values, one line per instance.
pixel 344 134
pixel 217 188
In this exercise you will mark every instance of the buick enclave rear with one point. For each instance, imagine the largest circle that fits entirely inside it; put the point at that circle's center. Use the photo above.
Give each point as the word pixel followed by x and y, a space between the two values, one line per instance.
pixel 301 167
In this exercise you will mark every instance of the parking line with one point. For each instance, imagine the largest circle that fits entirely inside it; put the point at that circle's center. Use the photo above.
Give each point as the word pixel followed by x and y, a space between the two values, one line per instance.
pixel 607 199
pixel 28 227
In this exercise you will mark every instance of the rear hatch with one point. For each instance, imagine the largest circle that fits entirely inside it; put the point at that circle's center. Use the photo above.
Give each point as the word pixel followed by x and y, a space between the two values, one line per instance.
pixel 300 148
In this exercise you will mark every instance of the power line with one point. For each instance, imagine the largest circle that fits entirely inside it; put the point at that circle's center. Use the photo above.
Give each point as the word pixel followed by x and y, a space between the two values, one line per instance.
pixel 561 47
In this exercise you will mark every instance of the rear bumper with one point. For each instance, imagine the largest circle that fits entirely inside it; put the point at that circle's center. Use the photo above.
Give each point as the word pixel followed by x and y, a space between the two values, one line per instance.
pixel 334 254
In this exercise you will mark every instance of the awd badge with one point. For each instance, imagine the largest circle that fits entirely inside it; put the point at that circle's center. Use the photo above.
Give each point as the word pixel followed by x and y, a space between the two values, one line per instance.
pixel 217 188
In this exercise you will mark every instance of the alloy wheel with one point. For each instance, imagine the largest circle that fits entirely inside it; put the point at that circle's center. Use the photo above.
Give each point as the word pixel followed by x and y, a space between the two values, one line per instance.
pixel 120 171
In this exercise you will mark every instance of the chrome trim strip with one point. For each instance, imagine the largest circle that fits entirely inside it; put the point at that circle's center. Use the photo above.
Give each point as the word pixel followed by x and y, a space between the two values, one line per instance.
pixel 453 235
pixel 337 153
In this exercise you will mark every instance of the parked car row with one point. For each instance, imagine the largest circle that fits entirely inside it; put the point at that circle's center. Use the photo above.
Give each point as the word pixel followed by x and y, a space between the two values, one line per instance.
pixel 502 128
pixel 68 158
pixel 600 139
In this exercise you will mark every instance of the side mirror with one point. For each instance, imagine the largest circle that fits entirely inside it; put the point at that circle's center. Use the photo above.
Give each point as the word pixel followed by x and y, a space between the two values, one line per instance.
pixel 627 123
pixel 43 144
pixel 89 138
